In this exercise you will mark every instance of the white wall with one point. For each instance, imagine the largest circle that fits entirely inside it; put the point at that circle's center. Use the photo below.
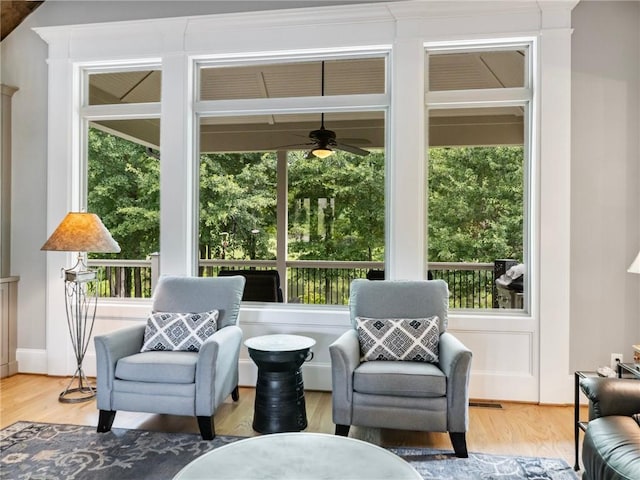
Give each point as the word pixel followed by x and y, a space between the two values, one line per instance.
pixel 605 181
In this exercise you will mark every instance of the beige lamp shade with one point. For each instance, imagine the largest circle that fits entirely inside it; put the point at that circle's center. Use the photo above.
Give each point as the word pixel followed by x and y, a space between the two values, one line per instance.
pixel 81 232
pixel 635 265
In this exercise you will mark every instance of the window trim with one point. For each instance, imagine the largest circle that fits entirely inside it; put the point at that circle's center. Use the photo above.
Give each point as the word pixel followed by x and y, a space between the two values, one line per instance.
pixel 282 106
pixel 496 97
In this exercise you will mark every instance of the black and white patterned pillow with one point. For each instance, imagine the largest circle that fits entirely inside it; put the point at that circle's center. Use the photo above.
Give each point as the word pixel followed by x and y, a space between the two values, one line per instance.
pixel 178 331
pixel 406 339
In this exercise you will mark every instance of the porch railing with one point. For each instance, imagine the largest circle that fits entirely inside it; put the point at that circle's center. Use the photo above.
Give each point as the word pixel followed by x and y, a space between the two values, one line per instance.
pixel 471 285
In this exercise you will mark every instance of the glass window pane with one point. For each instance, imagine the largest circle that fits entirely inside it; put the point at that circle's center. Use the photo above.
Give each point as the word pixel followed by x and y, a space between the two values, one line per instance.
pixel 476 205
pixel 336 211
pixel 237 215
pixel 299 79
pixel 123 188
pixel 335 208
pixel 476 70
pixel 124 87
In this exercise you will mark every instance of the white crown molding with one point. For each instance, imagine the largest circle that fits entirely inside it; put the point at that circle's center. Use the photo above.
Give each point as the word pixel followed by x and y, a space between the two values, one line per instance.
pixel 312 27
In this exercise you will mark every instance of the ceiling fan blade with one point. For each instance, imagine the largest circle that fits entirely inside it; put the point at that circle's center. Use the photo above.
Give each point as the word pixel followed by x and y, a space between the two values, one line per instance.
pixel 352 149
pixel 301 145
pixel 357 141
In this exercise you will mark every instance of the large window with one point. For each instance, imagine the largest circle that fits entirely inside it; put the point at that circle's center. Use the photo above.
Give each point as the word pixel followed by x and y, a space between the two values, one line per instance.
pixel 300 193
pixel 477 176
pixel 290 171
pixel 123 174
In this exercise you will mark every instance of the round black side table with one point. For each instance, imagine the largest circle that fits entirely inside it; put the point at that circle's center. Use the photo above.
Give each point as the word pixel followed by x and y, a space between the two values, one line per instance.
pixel 279 405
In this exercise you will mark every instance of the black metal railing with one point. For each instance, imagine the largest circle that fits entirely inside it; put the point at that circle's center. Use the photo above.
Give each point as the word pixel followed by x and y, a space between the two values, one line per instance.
pixel 471 285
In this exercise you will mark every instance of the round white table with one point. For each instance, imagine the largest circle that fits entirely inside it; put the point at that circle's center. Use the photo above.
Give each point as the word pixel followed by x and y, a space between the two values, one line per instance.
pixel 279 404
pixel 299 456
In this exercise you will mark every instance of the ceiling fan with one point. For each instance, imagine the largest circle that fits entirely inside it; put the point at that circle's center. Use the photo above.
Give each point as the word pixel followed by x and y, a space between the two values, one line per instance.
pixel 324 142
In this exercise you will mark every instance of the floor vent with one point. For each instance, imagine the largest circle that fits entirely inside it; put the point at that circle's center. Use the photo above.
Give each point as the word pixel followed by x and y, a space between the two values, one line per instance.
pixel 485 405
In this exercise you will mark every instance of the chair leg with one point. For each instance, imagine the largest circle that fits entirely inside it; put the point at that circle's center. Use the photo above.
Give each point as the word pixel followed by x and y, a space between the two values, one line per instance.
pixel 235 395
pixel 207 429
pixel 343 430
pixel 459 442
pixel 105 420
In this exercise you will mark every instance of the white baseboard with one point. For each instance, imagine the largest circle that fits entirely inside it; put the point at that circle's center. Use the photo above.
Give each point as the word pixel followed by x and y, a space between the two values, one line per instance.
pixel 31 360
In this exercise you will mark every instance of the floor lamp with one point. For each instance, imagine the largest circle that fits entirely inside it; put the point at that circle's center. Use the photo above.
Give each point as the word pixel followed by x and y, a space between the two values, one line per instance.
pixel 82 233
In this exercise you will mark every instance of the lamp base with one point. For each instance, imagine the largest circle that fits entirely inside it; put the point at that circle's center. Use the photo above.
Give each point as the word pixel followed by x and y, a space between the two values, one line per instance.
pixel 83 392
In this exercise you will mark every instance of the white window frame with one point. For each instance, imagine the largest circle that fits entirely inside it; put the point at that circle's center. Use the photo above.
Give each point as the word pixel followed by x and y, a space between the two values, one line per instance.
pixel 279 106
pixel 499 97
pixel 540 370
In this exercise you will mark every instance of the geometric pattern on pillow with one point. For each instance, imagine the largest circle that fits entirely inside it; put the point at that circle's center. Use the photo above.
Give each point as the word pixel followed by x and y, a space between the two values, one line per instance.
pixel 178 331
pixel 404 339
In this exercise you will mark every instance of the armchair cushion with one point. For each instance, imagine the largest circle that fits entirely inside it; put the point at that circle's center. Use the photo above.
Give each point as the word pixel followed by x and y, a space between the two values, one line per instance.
pixel 410 339
pixel 178 331
pixel 400 379
pixel 158 367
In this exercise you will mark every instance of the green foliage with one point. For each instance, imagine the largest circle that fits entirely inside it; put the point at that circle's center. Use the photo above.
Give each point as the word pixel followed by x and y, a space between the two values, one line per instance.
pixel 476 202
pixel 124 190
pixel 238 197
pixel 336 207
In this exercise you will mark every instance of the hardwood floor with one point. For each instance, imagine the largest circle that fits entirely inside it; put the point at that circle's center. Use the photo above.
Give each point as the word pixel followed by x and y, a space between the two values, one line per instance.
pixel 514 429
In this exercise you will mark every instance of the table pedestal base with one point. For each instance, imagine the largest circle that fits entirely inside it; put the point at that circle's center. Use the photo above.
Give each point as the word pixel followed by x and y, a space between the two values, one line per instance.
pixel 279 404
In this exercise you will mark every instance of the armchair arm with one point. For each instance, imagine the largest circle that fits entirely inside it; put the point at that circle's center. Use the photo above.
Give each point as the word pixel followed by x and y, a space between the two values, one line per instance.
pixel 345 357
pixel 110 348
pixel 455 362
pixel 217 369
pixel 611 396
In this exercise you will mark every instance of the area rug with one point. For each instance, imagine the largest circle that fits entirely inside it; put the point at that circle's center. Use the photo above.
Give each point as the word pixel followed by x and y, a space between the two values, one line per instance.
pixel 43 451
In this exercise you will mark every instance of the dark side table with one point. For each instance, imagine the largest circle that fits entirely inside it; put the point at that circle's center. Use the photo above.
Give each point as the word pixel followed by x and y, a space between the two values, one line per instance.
pixel 279 404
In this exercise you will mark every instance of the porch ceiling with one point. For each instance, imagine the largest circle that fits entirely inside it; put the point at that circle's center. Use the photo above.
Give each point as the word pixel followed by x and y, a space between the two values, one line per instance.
pixel 450 71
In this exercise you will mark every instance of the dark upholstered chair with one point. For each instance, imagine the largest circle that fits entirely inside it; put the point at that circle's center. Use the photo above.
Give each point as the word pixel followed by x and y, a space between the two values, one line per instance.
pixel 611 446
pixel 174 382
pixel 261 286
pixel 406 395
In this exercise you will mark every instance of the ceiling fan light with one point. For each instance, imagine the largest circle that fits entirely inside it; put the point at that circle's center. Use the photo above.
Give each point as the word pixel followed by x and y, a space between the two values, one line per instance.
pixel 322 152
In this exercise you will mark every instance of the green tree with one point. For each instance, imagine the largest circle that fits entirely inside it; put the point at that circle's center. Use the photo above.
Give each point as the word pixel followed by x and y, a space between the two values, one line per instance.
pixel 336 207
pixel 124 190
pixel 238 205
pixel 476 203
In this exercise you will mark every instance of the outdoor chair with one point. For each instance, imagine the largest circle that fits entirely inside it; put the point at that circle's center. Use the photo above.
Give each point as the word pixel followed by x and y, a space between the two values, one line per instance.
pixel 261 286
pixel 398 367
pixel 184 361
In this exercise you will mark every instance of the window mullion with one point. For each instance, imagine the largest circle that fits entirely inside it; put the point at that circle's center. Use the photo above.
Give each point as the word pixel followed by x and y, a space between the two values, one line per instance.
pixel 478 98
pixel 291 105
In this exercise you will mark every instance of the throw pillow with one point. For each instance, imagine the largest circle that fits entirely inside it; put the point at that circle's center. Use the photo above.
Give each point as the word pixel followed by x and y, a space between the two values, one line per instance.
pixel 408 339
pixel 178 331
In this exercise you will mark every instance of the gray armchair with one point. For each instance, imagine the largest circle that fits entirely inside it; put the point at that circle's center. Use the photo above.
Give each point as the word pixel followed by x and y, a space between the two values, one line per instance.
pixel 406 395
pixel 174 382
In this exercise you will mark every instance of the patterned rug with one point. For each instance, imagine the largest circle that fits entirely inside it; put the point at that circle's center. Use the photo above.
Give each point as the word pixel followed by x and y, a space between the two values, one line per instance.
pixel 43 451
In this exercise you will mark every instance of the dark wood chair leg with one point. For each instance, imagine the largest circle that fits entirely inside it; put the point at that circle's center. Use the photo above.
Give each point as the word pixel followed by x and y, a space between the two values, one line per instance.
pixel 235 395
pixel 207 429
pixel 105 420
pixel 459 442
pixel 343 430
